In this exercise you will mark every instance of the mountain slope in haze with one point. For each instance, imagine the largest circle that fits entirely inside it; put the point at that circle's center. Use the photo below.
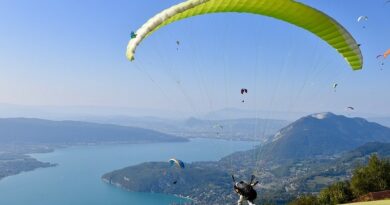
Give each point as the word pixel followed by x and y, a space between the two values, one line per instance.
pixel 36 131
pixel 235 113
pixel 244 128
pixel 238 129
pixel 323 134
pixel 385 121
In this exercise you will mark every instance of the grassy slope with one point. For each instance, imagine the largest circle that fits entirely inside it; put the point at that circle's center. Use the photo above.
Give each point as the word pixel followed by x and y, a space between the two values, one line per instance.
pixel 383 202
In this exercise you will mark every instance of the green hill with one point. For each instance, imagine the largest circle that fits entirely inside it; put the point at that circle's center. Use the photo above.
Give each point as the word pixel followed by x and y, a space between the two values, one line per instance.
pixel 323 134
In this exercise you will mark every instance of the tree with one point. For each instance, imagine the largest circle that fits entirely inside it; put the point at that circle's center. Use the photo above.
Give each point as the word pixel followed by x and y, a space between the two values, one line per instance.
pixel 337 193
pixel 371 178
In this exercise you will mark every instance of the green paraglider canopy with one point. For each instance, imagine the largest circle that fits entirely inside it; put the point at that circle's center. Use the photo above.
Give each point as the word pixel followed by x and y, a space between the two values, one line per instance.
pixel 289 11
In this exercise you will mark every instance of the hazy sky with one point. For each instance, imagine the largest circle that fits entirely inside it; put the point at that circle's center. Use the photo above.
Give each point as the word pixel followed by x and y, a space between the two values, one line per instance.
pixel 72 53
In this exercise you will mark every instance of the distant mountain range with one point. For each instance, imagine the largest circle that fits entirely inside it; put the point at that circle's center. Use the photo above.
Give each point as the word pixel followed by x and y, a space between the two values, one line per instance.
pixel 239 129
pixel 255 129
pixel 235 113
pixel 37 131
pixel 323 134
pixel 79 112
pixel 101 112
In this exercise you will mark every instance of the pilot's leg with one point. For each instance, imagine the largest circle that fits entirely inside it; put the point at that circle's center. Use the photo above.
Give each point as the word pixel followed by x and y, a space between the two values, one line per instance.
pixel 241 200
pixel 251 203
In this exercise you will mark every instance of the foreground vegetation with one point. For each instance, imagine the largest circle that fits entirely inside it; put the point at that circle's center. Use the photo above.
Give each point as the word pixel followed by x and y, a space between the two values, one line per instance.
pixel 373 177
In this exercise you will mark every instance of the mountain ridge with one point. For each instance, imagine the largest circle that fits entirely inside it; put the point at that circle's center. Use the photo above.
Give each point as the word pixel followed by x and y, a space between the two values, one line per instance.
pixel 33 130
pixel 323 134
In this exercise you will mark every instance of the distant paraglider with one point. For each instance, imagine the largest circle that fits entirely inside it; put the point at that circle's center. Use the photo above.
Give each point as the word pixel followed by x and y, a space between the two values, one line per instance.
pixel 177 45
pixel 381 59
pixel 362 19
pixel 335 86
pixel 243 92
pixel 176 162
pixel 383 56
pixel 349 110
pixel 219 128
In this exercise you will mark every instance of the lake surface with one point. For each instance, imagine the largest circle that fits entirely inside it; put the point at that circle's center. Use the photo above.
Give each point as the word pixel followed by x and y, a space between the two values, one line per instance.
pixel 76 179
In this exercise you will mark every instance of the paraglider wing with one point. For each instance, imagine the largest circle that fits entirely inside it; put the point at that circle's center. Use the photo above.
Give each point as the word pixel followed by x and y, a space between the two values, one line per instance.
pixel 351 108
pixel 387 53
pixel 362 18
pixel 244 90
pixel 289 11
pixel 218 126
pixel 177 162
pixel 378 56
pixel 181 164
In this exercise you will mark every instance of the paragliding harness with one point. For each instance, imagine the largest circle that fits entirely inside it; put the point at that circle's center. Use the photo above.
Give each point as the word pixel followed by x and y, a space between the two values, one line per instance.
pixel 245 190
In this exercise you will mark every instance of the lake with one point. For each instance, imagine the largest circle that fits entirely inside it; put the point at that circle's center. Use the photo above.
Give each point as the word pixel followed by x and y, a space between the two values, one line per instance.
pixel 76 179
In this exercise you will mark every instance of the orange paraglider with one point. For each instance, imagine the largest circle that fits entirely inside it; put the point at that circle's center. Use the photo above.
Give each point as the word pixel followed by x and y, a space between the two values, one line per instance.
pixel 387 53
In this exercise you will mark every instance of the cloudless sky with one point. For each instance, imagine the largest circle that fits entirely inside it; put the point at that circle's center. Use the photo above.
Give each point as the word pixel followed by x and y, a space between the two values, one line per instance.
pixel 71 53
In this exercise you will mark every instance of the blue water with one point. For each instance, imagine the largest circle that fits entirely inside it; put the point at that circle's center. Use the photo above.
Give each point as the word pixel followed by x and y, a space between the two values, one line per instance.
pixel 76 180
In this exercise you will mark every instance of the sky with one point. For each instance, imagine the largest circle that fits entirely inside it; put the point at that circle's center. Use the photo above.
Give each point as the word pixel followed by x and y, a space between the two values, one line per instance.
pixel 72 53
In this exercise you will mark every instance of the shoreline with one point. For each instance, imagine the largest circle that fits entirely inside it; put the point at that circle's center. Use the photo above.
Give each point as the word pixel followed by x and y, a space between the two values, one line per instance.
pixel 32 149
pixel 119 186
pixel 28 152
